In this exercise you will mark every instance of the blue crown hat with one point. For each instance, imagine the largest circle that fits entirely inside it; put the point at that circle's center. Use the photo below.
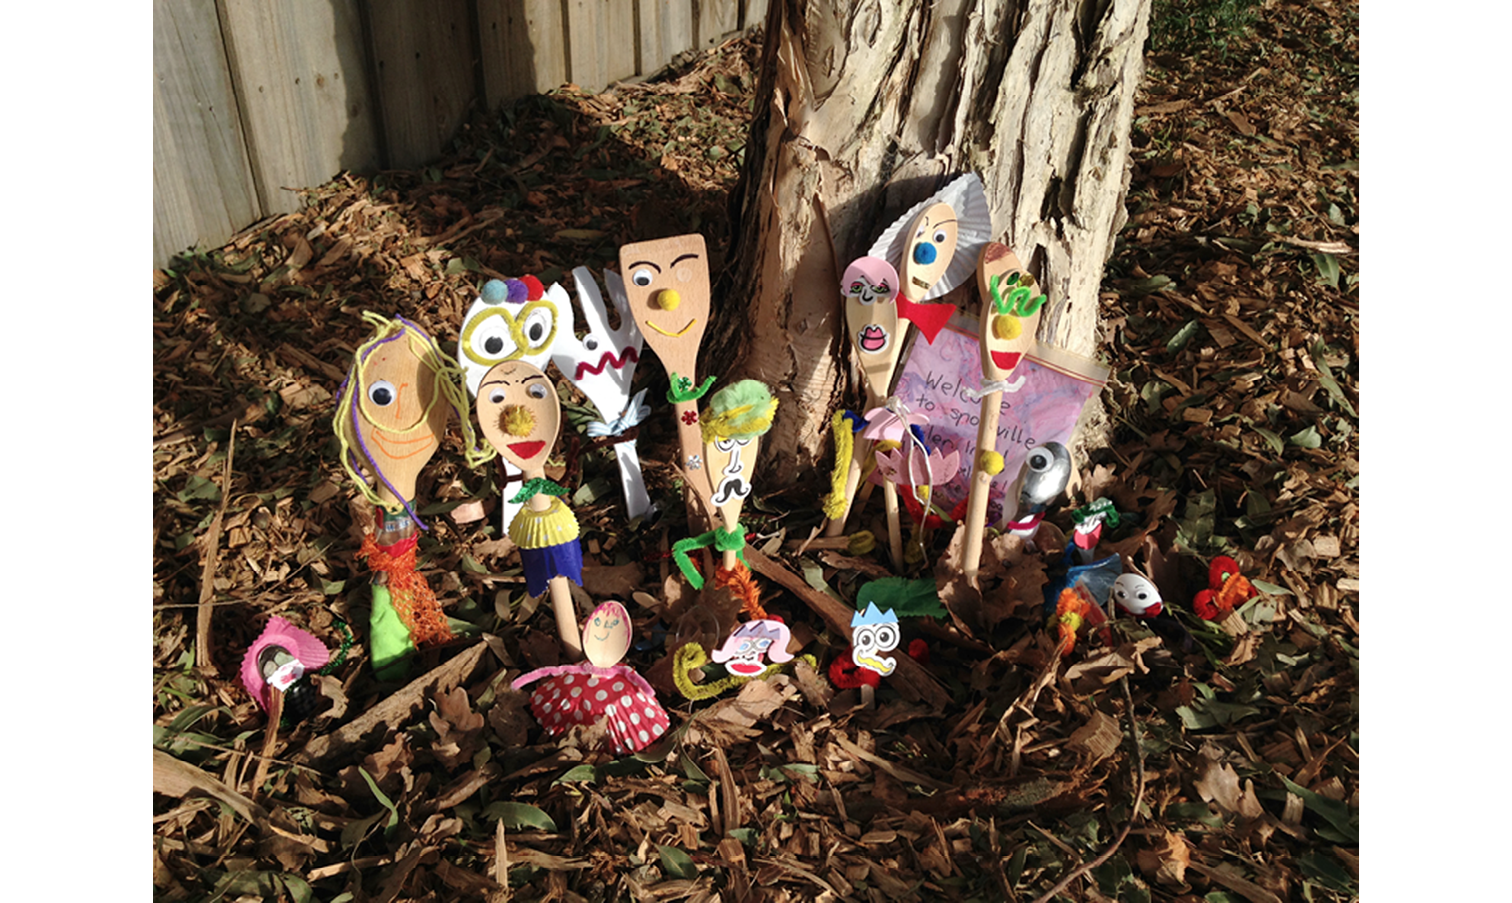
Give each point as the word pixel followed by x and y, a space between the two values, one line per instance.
pixel 872 615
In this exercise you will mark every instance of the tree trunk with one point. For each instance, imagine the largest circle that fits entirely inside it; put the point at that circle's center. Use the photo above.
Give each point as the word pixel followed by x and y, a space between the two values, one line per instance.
pixel 866 107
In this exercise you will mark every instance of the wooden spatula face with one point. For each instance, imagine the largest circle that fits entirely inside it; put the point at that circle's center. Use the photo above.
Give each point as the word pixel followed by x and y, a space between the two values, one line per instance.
pixel 928 254
pixel 400 416
pixel 667 283
pixel 1010 310
pixel 869 287
pixel 520 414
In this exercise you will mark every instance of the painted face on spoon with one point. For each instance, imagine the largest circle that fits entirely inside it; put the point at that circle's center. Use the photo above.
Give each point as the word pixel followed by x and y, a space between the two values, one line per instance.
pixel 520 414
pixel 606 634
pixel 398 418
pixel 870 286
pixel 930 251
pixel 1011 305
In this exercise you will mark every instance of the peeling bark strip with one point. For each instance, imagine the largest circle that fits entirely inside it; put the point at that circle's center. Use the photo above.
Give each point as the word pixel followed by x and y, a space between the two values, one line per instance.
pixel 866 107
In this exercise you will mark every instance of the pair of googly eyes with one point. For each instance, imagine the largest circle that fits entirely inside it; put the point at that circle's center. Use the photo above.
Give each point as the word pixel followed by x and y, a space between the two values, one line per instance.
pixel 534 390
pixel 495 336
pixel 1123 594
pixel 939 238
pixel 883 637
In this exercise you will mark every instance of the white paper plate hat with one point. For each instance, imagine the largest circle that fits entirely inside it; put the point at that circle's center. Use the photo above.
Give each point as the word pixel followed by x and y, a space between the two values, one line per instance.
pixel 973 224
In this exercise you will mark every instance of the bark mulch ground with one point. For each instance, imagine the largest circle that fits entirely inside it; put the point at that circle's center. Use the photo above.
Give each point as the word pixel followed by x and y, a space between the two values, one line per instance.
pixel 1138 769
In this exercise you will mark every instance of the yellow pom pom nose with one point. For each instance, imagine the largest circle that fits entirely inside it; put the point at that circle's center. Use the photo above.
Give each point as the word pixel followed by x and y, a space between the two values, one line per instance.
pixel 1006 328
pixel 991 463
pixel 667 299
pixel 518 420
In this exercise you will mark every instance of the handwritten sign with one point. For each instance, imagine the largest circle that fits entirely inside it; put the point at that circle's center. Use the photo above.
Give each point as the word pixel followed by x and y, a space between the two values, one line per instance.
pixel 934 382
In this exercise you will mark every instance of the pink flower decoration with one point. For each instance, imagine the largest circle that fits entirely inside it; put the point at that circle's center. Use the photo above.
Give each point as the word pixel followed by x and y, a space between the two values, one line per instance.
pixel 882 423
pixel 917 470
pixel 690 417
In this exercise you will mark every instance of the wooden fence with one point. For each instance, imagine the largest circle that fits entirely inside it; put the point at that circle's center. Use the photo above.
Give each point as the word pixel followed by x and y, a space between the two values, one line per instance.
pixel 253 98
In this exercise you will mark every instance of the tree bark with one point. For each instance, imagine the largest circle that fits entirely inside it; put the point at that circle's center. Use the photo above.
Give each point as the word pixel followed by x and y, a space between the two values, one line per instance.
pixel 866 107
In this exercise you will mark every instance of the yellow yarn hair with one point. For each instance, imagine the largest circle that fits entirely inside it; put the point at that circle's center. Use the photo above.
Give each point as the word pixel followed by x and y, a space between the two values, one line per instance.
pixel 449 382
pixel 845 443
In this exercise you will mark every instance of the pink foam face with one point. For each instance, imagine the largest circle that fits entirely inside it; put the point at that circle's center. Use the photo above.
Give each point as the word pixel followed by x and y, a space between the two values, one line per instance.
pixel 606 634
pixel 745 651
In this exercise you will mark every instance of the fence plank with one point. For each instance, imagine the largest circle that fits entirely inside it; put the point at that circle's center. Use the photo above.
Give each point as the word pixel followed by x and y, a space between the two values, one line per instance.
pixel 202 188
pixel 716 18
pixel 666 29
pixel 752 14
pixel 299 73
pixel 523 48
pixel 587 44
pixel 619 28
pixel 423 57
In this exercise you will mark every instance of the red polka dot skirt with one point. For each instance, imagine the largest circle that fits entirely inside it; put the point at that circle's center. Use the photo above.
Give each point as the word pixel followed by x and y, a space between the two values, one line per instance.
pixel 635 718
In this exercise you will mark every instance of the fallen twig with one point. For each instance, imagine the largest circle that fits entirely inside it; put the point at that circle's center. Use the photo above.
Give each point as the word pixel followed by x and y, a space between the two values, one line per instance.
pixel 202 647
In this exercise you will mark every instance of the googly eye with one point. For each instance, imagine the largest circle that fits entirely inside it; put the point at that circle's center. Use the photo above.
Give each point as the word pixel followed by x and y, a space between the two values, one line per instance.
pixel 1039 462
pixel 536 391
pixel 497 396
pixel 382 393
pixel 537 328
pixel 590 343
pixel 887 636
pixel 642 277
pixel 488 340
pixel 864 637
pixel 941 236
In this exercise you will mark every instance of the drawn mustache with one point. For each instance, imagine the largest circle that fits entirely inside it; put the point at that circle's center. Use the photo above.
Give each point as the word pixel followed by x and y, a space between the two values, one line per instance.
pixel 733 488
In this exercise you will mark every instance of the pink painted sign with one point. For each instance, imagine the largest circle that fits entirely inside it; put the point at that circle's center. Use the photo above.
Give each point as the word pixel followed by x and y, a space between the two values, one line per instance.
pixel 934 383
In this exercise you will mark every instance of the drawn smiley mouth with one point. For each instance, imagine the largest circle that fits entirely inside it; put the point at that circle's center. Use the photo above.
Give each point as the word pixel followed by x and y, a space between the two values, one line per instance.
pixel 399 449
pixel 673 335
pixel 1006 360
pixel 527 450
pixel 872 339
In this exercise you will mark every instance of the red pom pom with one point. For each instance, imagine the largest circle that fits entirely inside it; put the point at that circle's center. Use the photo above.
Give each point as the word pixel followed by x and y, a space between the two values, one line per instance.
pixel 533 288
pixel 1222 567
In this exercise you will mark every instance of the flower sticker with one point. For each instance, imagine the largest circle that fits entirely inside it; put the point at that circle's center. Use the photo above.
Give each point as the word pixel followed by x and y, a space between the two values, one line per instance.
pixel 690 417
pixel 695 462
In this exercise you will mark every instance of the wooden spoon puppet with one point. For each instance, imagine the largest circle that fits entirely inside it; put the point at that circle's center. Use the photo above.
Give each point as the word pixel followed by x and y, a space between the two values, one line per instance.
pixel 1009 319
pixel 511 320
pixel 932 248
pixel 520 414
pixel 601 364
pixel 732 426
pixel 600 689
pixel 667 287
pixel 391 413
